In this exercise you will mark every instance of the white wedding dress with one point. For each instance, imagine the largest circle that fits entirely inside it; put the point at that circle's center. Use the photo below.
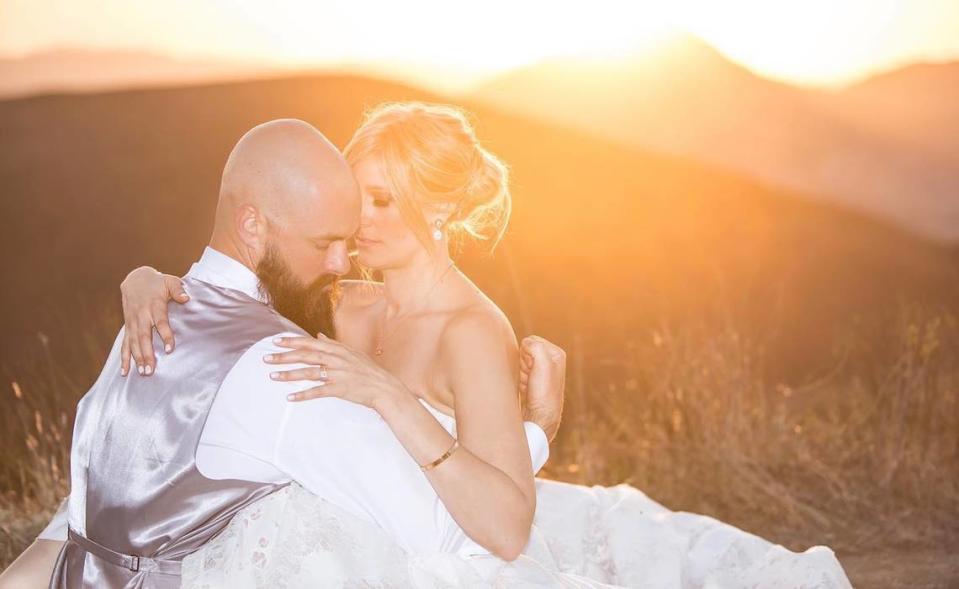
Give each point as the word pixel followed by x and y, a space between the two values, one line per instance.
pixel 581 537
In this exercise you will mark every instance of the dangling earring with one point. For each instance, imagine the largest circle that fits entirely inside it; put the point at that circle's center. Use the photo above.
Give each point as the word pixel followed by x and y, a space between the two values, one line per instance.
pixel 438 232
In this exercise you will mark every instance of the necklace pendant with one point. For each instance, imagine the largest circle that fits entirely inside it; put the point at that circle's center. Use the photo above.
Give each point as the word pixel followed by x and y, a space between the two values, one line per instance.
pixel 378 351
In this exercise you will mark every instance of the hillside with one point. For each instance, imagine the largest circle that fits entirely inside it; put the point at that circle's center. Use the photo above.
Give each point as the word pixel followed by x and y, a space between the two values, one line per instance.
pixel 886 146
pixel 915 104
pixel 85 70
pixel 604 238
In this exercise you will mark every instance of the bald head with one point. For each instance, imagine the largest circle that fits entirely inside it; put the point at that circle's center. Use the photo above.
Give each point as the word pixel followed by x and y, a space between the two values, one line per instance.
pixel 284 183
pixel 285 169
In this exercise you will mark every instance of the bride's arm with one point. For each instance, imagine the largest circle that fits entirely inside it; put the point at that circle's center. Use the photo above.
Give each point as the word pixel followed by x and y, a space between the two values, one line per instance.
pixel 145 293
pixel 487 483
pixel 490 492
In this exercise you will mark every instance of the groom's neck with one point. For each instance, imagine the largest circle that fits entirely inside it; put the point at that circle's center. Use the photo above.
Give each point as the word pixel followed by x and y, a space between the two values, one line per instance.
pixel 232 248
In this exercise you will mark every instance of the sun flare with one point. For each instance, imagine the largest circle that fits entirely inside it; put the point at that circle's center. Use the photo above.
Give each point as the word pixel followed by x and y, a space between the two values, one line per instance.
pixel 816 41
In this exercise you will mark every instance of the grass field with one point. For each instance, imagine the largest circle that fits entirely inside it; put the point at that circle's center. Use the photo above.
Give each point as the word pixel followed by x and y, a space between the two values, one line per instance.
pixel 863 458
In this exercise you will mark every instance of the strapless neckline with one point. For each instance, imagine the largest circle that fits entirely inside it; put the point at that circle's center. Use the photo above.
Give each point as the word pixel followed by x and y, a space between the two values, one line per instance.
pixel 439 414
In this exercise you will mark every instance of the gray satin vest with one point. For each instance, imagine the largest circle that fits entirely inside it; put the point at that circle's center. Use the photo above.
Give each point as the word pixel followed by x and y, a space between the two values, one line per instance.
pixel 132 463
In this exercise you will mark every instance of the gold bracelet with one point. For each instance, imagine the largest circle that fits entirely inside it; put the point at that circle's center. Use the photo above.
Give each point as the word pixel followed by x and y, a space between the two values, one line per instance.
pixel 445 455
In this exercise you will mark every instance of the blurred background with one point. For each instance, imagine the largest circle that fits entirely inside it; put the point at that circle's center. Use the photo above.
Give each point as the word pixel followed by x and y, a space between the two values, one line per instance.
pixel 740 219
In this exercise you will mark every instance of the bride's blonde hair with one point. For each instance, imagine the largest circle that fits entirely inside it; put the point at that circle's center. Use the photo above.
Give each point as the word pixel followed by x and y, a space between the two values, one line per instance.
pixel 430 156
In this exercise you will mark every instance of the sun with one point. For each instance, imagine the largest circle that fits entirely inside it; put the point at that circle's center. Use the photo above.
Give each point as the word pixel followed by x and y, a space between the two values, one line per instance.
pixel 496 35
pixel 820 42
pixel 816 41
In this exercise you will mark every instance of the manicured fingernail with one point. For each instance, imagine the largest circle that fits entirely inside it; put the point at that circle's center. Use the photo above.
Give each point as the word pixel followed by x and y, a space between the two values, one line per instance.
pixel 140 369
pixel 123 372
pixel 268 358
pixel 274 375
pixel 277 340
pixel 148 370
pixel 291 397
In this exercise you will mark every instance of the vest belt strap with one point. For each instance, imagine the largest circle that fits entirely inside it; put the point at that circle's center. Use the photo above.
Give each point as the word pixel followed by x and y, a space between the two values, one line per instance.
pixel 127 561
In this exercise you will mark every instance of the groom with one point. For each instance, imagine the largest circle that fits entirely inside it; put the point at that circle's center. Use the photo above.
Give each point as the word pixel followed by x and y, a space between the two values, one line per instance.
pixel 138 501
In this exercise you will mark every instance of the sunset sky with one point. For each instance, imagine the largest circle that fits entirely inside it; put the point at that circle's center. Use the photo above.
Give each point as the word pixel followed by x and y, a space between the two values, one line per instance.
pixel 820 42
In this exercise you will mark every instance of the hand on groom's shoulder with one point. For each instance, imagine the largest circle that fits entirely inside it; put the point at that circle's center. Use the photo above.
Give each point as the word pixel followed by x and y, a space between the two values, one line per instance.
pixel 543 383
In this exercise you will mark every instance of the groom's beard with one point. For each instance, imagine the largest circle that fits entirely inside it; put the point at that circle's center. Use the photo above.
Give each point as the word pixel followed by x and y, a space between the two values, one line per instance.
pixel 308 305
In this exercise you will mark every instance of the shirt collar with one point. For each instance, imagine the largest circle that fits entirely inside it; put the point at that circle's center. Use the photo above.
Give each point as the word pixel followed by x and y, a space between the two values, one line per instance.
pixel 216 268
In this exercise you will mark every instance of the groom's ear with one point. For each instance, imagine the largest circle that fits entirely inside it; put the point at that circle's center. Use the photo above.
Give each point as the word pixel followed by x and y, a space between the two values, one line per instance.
pixel 250 227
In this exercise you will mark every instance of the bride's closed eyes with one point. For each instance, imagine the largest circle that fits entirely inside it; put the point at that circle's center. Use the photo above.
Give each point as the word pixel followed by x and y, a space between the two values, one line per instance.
pixel 381 198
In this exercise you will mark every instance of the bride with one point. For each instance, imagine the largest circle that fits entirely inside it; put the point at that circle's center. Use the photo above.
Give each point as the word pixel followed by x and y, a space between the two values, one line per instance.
pixel 425 181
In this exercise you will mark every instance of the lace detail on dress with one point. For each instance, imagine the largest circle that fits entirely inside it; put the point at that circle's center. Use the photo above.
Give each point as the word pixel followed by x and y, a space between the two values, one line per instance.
pixel 583 537
pixel 583 547
pixel 592 537
pixel 292 538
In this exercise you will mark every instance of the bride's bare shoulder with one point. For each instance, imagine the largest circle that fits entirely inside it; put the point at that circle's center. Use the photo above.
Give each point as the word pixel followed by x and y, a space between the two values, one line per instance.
pixel 480 321
pixel 478 353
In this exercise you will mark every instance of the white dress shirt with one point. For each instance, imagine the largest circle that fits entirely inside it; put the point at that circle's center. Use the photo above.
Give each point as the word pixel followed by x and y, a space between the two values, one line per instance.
pixel 341 451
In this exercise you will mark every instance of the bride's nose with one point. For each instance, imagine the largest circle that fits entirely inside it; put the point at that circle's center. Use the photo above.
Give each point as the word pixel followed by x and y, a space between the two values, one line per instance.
pixel 366 217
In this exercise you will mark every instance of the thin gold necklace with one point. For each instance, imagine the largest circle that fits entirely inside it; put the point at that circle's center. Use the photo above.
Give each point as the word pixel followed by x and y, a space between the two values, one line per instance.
pixel 378 348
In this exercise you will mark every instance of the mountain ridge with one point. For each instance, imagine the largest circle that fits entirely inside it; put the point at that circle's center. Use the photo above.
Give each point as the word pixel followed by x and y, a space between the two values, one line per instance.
pixel 97 184
pixel 859 146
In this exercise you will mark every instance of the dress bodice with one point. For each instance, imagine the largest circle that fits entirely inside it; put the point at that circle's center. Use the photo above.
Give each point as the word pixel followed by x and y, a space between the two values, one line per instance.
pixel 445 420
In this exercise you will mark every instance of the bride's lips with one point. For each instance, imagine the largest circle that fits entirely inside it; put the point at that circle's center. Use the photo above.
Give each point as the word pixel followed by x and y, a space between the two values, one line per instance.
pixel 366 242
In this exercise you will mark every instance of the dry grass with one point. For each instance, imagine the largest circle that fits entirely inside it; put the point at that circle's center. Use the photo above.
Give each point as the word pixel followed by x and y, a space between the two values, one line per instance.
pixel 864 458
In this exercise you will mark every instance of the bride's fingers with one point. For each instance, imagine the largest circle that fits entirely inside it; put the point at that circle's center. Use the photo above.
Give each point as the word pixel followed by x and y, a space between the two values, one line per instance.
pixel 166 334
pixel 323 345
pixel 133 336
pixel 311 393
pixel 125 355
pixel 300 357
pixel 145 342
pixel 320 373
pixel 174 287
